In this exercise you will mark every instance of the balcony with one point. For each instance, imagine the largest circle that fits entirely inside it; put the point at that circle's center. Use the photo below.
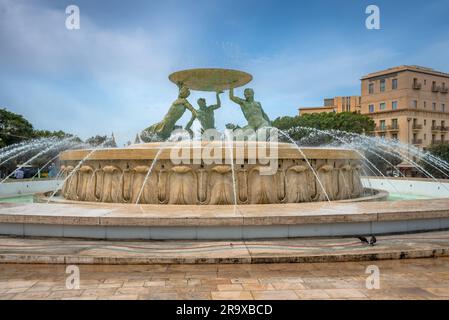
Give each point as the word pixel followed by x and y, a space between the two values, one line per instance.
pixel 393 127
pixel 439 141
pixel 435 88
pixel 381 129
pixel 416 126
pixel 440 128
pixel 443 89
pixel 417 141
pixel 416 85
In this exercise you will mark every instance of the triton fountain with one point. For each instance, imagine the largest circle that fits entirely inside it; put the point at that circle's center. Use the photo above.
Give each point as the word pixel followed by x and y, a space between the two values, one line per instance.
pixel 247 183
pixel 146 173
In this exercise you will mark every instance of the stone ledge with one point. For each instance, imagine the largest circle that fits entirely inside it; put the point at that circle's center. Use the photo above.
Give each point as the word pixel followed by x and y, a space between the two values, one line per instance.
pixel 248 215
pixel 66 251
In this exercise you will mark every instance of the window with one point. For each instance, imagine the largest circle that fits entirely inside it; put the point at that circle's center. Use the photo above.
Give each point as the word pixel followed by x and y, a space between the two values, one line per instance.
pixel 394 84
pixel 371 88
pixel 425 136
pixel 394 136
pixel 382 85
pixel 415 104
pixel 443 107
pixel 371 108
pixel 383 106
pixel 394 105
pixel 434 106
pixel 394 123
pixel 382 124
pixel 425 105
pixel 425 122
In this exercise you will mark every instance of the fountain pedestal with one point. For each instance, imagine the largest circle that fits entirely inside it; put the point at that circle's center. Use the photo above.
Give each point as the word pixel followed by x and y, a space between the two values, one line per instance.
pixel 202 173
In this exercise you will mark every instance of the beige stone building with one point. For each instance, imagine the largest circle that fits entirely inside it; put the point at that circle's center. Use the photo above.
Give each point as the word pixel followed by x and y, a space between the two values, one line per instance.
pixel 336 104
pixel 409 103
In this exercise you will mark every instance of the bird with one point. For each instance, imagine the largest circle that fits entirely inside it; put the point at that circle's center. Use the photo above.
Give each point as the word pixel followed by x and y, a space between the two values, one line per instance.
pixel 363 239
pixel 372 241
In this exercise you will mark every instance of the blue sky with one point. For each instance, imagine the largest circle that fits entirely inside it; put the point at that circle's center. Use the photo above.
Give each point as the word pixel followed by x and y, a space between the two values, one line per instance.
pixel 111 75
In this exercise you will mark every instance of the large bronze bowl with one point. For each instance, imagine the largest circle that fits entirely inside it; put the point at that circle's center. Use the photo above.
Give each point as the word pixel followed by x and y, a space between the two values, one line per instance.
pixel 211 79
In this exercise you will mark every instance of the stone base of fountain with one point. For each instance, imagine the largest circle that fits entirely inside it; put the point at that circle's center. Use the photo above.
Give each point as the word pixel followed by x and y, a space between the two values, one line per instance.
pixel 192 222
pixel 190 173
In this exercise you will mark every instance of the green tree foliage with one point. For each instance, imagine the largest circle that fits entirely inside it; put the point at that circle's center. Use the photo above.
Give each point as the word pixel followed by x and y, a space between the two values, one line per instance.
pixel 13 128
pixel 441 151
pixel 56 134
pixel 102 140
pixel 96 140
pixel 345 121
pixel 385 162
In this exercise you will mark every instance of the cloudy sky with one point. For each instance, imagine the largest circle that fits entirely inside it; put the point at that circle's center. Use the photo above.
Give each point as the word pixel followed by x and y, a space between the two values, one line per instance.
pixel 111 74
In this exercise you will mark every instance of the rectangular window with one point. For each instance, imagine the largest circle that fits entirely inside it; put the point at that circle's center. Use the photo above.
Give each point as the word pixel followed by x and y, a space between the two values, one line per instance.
pixel 443 107
pixel 382 85
pixel 383 106
pixel 394 136
pixel 415 104
pixel 434 106
pixel 425 105
pixel 394 105
pixel 371 108
pixel 394 84
pixel 394 123
pixel 371 88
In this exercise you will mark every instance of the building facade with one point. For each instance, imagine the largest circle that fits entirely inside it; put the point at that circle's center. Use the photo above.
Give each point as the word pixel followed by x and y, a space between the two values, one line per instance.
pixel 336 104
pixel 408 103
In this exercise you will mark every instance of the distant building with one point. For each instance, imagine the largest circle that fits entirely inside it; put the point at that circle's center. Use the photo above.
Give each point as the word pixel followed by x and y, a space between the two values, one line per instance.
pixel 336 104
pixel 408 103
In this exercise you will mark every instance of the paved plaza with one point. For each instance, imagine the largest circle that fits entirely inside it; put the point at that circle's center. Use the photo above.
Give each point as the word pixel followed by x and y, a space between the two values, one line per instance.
pixel 399 279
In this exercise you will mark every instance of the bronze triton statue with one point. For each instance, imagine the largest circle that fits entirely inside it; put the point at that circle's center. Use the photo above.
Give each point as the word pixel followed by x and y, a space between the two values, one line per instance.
pixel 164 128
pixel 252 110
pixel 216 80
pixel 205 113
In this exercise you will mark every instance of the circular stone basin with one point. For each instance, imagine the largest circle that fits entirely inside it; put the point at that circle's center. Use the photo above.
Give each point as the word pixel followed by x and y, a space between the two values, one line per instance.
pixel 211 79
pixel 202 173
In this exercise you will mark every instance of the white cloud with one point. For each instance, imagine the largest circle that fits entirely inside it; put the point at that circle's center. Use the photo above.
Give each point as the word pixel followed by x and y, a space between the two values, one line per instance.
pixel 98 80
pixel 40 60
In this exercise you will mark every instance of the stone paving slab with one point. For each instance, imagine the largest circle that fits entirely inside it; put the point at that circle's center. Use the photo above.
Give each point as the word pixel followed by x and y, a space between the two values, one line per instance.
pixel 417 279
pixel 63 251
